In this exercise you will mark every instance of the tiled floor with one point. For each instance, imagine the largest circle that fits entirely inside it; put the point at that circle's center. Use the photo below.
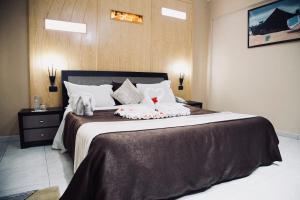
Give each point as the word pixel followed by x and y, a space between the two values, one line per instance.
pixel 39 167
pixel 32 168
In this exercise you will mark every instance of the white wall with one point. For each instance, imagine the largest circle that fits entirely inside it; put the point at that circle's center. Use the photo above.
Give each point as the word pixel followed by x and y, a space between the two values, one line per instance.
pixel 263 81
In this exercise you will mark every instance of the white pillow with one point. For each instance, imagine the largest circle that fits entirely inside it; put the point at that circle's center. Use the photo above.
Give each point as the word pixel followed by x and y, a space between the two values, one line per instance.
pixel 101 93
pixel 127 93
pixel 162 91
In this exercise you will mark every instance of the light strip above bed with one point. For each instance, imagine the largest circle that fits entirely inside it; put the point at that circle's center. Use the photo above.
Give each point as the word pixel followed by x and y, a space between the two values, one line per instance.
pixel 58 25
pixel 173 13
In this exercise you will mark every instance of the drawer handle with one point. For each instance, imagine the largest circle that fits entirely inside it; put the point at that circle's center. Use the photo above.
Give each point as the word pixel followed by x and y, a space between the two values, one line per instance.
pixel 42 135
pixel 42 121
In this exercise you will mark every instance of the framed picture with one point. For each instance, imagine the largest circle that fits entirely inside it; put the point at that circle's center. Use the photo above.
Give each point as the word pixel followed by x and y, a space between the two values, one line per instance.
pixel 274 23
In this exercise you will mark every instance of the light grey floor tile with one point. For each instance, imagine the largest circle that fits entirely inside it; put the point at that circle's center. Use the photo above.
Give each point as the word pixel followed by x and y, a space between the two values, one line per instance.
pixel 59 163
pixel 22 168
pixel 290 152
pixel 3 146
pixel 15 178
pixel 60 168
pixel 13 147
pixel 61 183
pixel 22 158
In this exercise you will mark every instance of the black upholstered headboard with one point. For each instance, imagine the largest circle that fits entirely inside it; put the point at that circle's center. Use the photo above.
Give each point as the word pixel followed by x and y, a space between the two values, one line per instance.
pixel 106 77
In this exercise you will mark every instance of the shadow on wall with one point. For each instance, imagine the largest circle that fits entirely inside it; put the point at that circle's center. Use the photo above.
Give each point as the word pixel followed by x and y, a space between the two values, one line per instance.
pixel 14 63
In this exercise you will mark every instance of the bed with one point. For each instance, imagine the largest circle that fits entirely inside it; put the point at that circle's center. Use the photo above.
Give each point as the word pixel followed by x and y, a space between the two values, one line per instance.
pixel 168 159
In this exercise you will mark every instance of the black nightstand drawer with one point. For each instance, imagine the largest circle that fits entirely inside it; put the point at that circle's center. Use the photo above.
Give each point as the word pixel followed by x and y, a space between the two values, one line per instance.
pixel 44 134
pixel 40 121
pixel 38 128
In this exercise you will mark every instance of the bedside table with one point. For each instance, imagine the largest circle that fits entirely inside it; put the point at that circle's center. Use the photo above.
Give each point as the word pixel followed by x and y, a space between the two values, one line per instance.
pixel 38 128
pixel 194 103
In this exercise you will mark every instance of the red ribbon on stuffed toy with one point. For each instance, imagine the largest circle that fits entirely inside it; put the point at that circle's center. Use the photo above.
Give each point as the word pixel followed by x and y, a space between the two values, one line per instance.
pixel 154 100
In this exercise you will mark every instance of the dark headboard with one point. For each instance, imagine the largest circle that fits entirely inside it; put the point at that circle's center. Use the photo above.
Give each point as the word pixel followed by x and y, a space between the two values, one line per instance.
pixel 106 77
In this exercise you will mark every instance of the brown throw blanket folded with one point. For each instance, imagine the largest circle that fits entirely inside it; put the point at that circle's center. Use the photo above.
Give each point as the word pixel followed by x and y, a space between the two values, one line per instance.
pixel 169 162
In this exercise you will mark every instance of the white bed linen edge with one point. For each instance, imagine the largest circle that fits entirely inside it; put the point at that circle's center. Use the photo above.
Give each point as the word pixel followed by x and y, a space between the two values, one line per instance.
pixel 88 131
pixel 58 139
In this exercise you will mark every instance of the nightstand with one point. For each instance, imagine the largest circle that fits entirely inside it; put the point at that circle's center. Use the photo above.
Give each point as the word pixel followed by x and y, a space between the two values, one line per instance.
pixel 38 128
pixel 194 103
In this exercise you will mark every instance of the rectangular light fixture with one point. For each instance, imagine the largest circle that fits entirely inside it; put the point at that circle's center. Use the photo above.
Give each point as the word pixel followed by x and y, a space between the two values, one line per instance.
pixel 65 26
pixel 127 17
pixel 173 13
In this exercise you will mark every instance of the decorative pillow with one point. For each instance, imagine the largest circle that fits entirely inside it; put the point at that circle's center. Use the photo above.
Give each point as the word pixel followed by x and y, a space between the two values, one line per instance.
pixel 116 85
pixel 101 93
pixel 161 92
pixel 127 93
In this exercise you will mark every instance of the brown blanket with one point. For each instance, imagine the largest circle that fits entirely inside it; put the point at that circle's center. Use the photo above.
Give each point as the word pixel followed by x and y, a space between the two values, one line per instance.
pixel 170 162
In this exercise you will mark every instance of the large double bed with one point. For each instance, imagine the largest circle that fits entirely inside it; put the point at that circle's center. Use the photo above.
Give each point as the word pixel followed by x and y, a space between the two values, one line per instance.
pixel 159 158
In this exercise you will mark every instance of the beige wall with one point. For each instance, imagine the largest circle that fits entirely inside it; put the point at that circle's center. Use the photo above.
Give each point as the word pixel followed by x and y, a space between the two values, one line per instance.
pixel 13 63
pixel 201 27
pixel 160 44
pixel 223 7
pixel 263 81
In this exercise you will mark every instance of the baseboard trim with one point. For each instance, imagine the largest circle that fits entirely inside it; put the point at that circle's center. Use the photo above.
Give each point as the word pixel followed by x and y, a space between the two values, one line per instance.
pixel 9 138
pixel 295 136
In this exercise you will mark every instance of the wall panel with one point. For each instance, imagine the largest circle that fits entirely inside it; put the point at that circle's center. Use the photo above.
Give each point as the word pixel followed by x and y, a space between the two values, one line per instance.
pixel 157 45
pixel 171 40
pixel 122 45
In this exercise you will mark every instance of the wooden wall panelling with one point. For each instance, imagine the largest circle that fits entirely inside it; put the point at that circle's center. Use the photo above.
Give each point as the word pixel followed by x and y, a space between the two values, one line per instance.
pixel 156 45
pixel 172 43
pixel 122 45
pixel 68 50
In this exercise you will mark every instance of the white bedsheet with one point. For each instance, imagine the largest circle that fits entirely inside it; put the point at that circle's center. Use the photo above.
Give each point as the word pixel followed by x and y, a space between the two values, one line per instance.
pixel 58 140
pixel 88 131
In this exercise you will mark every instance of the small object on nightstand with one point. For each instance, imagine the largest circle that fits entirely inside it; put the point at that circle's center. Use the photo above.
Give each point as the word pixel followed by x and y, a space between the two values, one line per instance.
pixel 38 128
pixel 194 103
pixel 43 107
pixel 36 103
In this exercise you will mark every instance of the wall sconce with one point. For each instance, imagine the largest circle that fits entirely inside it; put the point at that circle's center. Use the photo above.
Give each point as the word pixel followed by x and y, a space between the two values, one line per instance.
pixel 52 76
pixel 181 79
